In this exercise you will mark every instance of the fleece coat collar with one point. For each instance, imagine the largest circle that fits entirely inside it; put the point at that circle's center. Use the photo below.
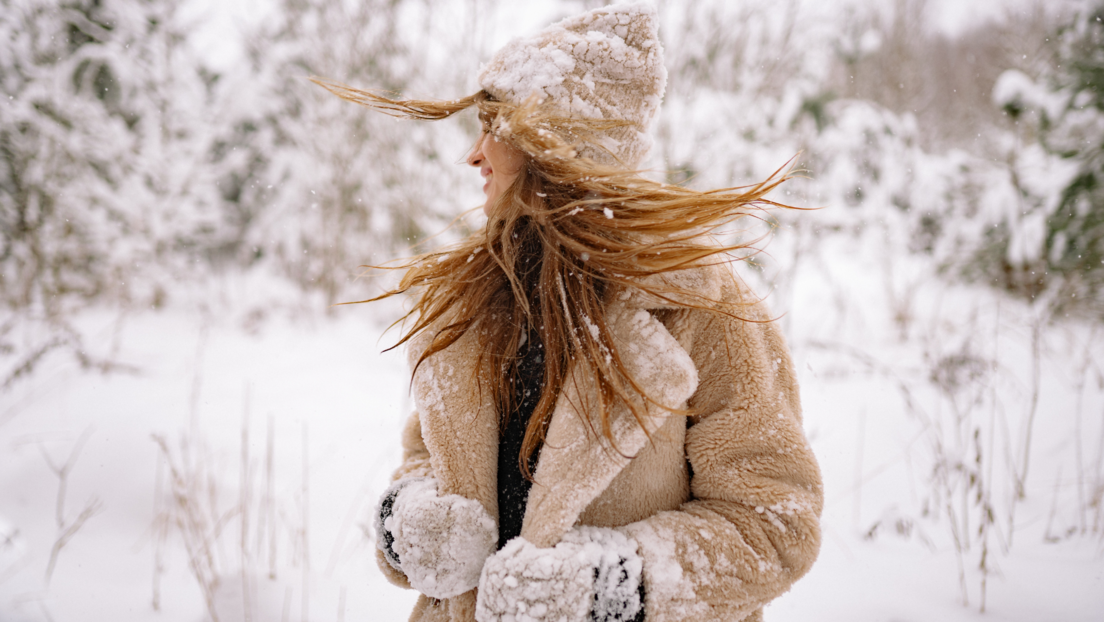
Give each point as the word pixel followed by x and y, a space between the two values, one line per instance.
pixel 459 421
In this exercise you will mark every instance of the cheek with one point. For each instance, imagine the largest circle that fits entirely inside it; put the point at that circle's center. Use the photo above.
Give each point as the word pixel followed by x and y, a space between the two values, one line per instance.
pixel 515 160
pixel 504 159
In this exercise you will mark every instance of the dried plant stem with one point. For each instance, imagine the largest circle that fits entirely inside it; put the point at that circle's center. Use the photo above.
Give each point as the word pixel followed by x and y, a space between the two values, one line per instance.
pixel 1020 477
pixel 304 598
pixel 985 466
pixel 1036 377
pixel 160 531
pixel 45 611
pixel 960 552
pixel 860 445
pixel 197 382
pixel 985 524
pixel 244 503
pixel 1048 533
pixel 1096 499
pixel 91 509
pixel 62 473
pixel 270 501
pixel 193 523
pixel 346 526
pixel 67 530
pixel 1079 432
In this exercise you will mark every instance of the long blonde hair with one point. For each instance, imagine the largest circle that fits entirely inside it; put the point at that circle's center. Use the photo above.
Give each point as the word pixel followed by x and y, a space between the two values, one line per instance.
pixel 566 233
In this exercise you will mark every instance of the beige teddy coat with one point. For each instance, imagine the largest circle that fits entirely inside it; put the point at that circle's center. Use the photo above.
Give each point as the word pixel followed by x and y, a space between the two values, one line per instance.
pixel 724 504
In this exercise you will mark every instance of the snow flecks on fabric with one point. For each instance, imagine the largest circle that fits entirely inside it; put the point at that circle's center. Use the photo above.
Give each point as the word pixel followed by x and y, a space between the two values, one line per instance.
pixel 593 570
pixel 524 583
pixel 435 383
pixel 603 64
pixel 657 360
pixel 790 506
pixel 665 580
pixel 618 571
pixel 694 286
pixel 383 512
pixel 666 373
pixel 709 558
pixel 441 541
pixel 772 517
pixel 530 70
pixel 526 67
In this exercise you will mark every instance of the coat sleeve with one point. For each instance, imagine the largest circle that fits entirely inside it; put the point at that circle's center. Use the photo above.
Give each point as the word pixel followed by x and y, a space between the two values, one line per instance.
pixel 415 463
pixel 751 527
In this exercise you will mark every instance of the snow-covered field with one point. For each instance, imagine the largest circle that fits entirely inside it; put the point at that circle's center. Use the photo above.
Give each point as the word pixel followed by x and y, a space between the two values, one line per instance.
pixel 332 404
pixel 229 462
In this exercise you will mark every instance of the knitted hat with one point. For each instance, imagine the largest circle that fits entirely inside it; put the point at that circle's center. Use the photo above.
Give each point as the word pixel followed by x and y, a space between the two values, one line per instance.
pixel 604 64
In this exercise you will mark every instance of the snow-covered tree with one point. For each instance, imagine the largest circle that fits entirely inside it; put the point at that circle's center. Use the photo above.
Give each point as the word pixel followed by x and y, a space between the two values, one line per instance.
pixel 1058 163
pixel 320 185
pixel 103 141
pixel 1075 231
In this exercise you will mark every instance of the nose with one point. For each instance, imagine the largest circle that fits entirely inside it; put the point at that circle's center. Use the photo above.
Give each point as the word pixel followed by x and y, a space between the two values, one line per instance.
pixel 476 157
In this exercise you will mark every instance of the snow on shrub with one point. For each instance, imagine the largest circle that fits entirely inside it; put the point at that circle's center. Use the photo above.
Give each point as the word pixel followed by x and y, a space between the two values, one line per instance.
pixel 104 196
pixel 1061 173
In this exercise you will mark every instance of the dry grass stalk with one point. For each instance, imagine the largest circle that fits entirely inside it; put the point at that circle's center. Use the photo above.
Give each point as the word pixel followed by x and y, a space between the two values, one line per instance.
pixel 266 514
pixel 244 503
pixel 66 529
pixel 305 530
pixel 196 530
pixel 160 531
pixel 194 506
pixel 93 507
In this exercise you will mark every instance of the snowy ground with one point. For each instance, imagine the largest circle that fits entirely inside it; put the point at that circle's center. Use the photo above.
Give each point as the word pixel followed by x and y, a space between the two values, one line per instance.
pixel 334 405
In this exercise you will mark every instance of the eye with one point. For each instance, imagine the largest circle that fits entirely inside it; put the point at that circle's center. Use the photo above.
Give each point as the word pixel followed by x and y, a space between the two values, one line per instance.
pixel 485 123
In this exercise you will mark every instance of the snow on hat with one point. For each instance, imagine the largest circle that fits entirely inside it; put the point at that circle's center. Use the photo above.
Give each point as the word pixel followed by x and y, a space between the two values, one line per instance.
pixel 604 64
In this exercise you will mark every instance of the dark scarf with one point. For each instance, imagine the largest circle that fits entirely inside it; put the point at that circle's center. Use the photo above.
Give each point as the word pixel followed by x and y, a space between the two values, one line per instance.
pixel 513 488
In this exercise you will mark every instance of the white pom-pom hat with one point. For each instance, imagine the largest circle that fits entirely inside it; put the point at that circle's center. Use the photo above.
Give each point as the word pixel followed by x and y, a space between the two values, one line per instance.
pixel 605 64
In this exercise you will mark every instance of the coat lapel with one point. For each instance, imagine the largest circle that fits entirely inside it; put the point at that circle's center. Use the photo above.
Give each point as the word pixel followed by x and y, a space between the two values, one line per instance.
pixel 460 422
pixel 575 465
pixel 458 417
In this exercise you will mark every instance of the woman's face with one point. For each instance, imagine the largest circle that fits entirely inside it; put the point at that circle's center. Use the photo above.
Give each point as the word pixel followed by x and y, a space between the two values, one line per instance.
pixel 498 162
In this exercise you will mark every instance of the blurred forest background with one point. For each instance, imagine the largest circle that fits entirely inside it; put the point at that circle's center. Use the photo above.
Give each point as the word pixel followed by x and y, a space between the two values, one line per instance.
pixel 958 158
pixel 130 167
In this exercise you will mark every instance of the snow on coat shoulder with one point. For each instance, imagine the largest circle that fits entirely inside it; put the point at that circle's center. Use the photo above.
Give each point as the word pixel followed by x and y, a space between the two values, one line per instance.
pixel 654 357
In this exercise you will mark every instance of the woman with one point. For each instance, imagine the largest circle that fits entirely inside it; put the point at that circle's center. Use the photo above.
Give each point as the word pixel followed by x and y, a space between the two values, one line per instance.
pixel 607 422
